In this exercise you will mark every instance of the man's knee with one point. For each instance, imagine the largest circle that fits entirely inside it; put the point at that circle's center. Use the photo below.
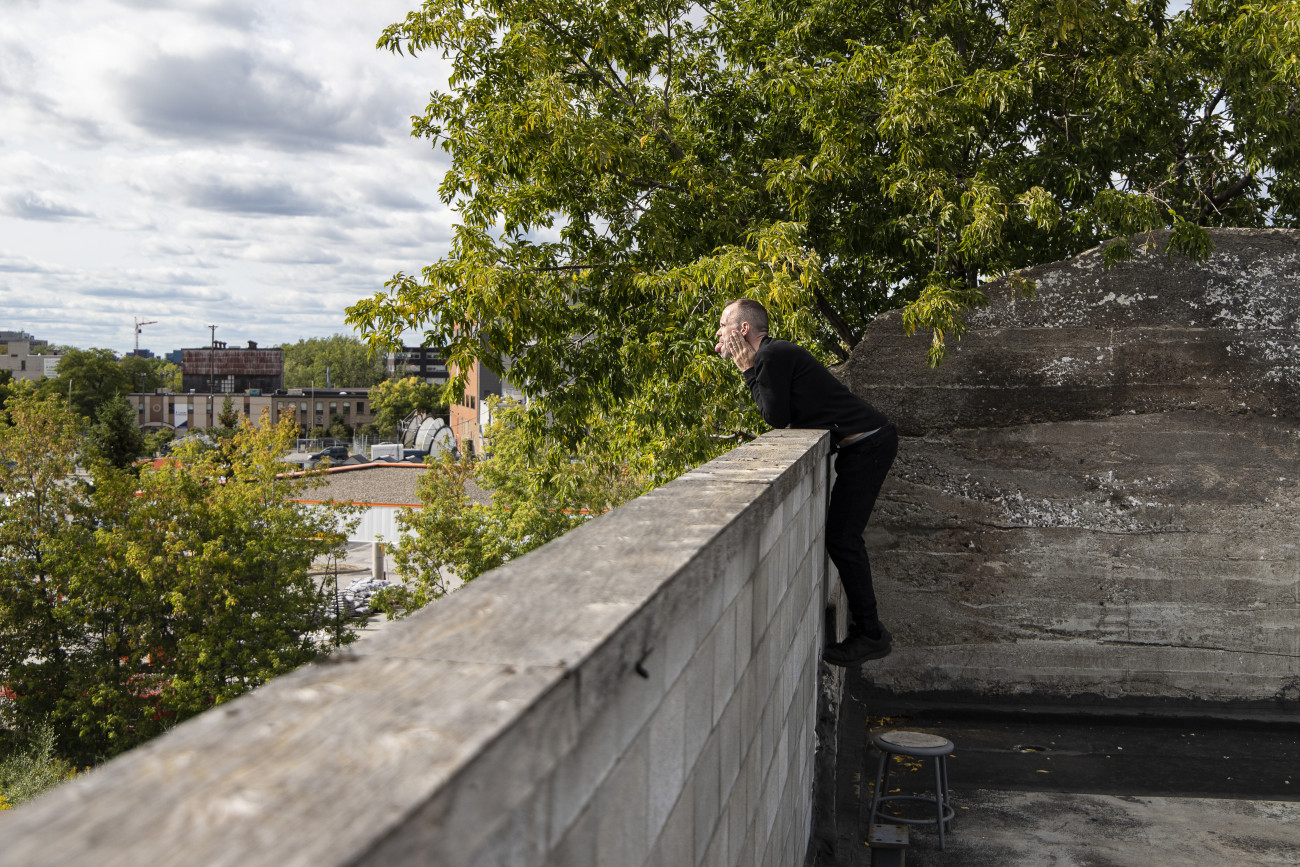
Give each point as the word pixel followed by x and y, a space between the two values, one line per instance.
pixel 846 547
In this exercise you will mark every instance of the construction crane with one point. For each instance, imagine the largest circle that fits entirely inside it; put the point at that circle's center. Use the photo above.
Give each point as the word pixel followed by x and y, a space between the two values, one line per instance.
pixel 141 323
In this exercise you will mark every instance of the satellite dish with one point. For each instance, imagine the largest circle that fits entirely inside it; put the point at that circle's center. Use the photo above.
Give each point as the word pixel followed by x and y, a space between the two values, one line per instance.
pixel 424 435
pixel 443 440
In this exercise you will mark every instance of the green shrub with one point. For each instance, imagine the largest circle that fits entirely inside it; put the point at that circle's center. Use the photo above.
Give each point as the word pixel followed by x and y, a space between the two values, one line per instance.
pixel 32 771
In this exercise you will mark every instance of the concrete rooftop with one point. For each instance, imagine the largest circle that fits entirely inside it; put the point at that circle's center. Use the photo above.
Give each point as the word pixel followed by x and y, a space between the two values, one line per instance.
pixel 1082 790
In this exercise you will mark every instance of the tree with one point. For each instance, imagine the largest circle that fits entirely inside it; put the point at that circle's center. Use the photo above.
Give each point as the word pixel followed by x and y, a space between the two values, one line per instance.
pixel 228 418
pixel 88 378
pixel 148 374
pixel 339 427
pixel 7 387
pixel 156 439
pixel 115 437
pixel 45 529
pixel 350 362
pixel 450 533
pixel 130 604
pixel 395 399
pixel 621 170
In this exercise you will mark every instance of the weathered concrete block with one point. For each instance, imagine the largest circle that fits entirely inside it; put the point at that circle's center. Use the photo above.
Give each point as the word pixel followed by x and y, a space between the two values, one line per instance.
pixel 706 782
pixel 676 843
pixel 580 773
pixel 667 756
pixel 1110 465
pixel 724 662
pixel 578 846
pixel 699 698
pixel 621 808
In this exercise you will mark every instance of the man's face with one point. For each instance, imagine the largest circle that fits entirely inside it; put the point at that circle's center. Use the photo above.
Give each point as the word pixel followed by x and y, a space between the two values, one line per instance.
pixel 728 325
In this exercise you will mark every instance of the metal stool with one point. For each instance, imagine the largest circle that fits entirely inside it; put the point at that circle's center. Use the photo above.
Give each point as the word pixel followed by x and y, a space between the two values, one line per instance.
pixel 916 744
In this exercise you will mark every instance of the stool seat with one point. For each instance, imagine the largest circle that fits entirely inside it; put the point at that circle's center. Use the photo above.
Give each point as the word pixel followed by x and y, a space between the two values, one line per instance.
pixel 920 745
pixel 913 744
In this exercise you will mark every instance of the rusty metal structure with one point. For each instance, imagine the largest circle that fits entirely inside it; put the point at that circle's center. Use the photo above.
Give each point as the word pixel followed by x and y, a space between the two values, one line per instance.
pixel 217 369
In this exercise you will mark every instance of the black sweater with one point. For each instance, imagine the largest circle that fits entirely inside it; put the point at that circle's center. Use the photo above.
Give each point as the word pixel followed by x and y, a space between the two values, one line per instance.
pixel 792 389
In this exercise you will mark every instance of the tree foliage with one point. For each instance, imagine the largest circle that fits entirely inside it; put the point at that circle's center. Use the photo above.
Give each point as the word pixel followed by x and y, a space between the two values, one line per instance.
pixel 350 362
pixel 454 534
pixel 395 399
pixel 116 438
pixel 147 374
pixel 128 604
pixel 620 169
pixel 86 379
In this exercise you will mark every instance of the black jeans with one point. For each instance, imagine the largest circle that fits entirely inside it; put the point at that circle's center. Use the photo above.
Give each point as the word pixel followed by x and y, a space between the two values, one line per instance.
pixel 860 470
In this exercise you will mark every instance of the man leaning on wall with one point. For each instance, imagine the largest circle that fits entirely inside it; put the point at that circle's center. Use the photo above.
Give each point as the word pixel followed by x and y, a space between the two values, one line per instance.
pixel 793 389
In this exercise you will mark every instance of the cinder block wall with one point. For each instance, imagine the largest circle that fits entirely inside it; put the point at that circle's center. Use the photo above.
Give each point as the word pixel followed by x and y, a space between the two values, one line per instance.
pixel 642 691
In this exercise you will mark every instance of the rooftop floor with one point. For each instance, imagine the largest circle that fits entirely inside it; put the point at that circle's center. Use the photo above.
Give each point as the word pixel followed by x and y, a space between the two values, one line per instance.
pixel 1083 789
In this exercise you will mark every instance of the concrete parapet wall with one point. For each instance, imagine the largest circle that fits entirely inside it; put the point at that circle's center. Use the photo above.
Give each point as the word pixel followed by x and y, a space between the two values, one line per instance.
pixel 1099 492
pixel 642 691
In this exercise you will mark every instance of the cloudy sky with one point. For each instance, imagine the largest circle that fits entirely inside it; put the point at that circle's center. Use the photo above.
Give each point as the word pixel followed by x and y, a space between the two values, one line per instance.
pixel 239 163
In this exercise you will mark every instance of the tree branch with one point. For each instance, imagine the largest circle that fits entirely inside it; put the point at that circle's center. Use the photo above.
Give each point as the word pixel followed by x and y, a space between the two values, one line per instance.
pixel 838 325
pixel 614 84
pixel 1214 102
pixel 1229 193
pixel 646 183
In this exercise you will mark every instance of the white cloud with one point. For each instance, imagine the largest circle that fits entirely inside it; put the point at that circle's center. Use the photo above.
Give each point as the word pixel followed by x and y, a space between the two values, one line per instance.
pixel 32 205
pixel 208 161
pixel 234 95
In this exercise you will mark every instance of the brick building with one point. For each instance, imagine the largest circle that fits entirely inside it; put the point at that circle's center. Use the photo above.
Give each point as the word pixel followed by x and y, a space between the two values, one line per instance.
pixel 471 415
pixel 308 407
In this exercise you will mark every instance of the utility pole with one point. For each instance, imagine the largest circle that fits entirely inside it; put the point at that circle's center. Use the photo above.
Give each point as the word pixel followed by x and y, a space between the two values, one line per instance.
pixel 140 323
pixel 212 357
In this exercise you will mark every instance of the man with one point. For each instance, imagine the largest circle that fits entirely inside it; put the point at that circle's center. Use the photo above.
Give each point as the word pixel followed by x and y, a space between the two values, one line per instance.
pixel 792 389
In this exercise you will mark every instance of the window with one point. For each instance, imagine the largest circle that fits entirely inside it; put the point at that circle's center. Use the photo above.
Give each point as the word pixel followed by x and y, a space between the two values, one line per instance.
pixel 361 407
pixel 333 405
pixel 320 406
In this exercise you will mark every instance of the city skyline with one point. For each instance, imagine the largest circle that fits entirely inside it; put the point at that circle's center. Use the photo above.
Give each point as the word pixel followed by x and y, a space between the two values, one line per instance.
pixel 242 164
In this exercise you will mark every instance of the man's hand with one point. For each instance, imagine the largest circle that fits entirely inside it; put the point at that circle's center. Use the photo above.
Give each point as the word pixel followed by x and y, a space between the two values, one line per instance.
pixel 739 351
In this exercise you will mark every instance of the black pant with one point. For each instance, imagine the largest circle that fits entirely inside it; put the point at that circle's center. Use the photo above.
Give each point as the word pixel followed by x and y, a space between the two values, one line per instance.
pixel 860 470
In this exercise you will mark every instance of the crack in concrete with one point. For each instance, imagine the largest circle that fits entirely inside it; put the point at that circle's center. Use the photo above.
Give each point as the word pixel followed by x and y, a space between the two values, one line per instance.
pixel 1178 646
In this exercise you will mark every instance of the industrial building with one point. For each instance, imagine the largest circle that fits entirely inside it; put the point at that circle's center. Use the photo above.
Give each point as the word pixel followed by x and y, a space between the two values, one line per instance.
pixel 217 369
pixel 309 407
pixel 17 356
pixel 423 362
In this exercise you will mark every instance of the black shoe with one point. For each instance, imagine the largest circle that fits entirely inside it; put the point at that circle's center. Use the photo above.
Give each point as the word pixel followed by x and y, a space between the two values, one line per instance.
pixel 859 648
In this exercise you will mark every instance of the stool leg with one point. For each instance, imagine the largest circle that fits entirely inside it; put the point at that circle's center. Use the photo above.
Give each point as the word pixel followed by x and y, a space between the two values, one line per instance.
pixel 882 772
pixel 947 792
pixel 939 794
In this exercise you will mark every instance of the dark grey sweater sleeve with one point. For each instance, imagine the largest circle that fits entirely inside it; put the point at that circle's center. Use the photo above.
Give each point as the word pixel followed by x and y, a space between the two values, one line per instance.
pixel 769 384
